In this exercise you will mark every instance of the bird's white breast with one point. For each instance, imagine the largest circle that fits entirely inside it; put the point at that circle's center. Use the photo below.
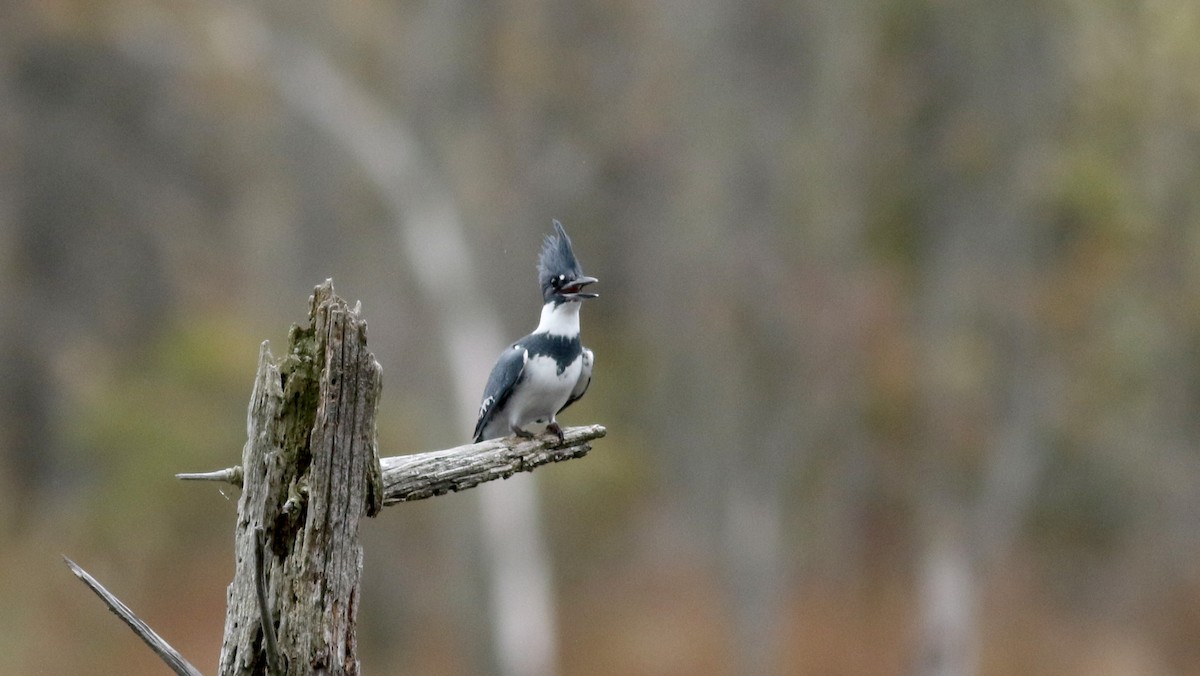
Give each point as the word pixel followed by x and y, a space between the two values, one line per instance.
pixel 543 391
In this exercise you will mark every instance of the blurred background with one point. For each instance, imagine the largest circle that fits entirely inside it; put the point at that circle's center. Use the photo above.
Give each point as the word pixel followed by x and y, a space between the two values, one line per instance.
pixel 898 344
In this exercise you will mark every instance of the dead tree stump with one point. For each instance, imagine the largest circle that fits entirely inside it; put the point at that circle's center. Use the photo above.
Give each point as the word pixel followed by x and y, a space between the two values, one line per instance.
pixel 310 472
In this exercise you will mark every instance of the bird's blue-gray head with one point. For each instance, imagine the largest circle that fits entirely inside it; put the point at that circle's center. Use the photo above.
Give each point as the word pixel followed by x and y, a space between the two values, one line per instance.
pixel 559 274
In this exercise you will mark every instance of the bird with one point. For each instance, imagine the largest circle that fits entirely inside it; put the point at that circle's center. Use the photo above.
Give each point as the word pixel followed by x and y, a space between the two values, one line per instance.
pixel 540 375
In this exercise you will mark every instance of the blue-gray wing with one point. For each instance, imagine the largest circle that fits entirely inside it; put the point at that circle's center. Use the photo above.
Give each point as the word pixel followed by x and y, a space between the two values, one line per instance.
pixel 585 379
pixel 505 375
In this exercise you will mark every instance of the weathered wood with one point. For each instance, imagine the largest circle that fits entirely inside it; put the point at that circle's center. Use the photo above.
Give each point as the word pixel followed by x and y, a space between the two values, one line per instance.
pixel 432 473
pixel 311 472
pixel 270 640
pixel 163 649
pixel 425 475
pixel 230 475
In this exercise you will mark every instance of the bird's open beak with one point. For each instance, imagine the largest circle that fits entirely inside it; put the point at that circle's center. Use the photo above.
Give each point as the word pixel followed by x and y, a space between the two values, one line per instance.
pixel 575 290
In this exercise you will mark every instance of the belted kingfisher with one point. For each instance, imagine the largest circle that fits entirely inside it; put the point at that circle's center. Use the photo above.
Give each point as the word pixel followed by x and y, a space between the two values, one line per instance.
pixel 543 373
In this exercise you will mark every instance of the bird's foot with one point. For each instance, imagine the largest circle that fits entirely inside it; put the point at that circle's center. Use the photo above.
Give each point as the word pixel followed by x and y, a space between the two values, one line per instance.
pixel 521 433
pixel 554 429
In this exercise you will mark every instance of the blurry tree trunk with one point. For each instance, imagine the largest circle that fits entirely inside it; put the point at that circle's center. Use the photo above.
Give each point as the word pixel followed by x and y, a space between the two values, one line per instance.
pixel 947 594
pixel 310 473
pixel 784 422
pixel 985 384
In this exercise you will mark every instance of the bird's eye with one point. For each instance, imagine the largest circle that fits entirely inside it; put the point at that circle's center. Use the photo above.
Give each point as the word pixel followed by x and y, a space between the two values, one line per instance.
pixel 560 280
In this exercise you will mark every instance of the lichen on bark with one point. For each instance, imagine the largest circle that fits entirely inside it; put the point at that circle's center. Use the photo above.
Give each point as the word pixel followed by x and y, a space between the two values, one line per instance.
pixel 311 472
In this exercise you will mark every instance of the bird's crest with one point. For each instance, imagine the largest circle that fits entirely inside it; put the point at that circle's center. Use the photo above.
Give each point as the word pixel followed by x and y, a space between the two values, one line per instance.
pixel 558 258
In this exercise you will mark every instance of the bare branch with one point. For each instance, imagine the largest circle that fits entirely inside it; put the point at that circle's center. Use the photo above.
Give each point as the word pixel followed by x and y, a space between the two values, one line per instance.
pixel 425 475
pixel 168 654
pixel 232 475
